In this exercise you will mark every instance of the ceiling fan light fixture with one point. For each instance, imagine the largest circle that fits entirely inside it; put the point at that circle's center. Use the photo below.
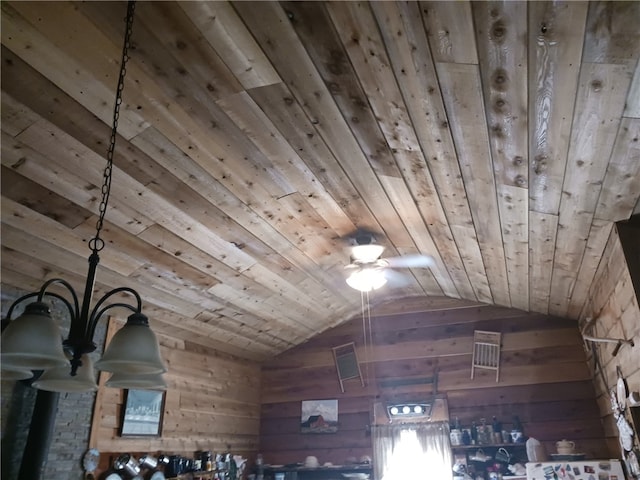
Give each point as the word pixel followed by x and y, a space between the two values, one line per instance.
pixel 367 253
pixel 366 279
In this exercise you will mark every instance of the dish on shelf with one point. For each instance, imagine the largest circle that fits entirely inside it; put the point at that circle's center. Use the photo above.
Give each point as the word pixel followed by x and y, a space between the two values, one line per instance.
pixel 113 476
pixel 633 462
pixel 357 476
pixel 621 393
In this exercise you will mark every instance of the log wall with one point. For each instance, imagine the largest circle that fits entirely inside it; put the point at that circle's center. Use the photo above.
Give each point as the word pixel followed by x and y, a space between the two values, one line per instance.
pixel 544 378
pixel 612 311
pixel 212 403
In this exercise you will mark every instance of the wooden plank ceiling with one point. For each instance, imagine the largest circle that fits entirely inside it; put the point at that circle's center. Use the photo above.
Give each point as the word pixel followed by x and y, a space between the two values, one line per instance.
pixel 500 138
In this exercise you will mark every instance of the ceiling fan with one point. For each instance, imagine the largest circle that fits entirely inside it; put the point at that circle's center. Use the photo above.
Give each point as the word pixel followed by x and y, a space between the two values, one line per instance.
pixel 370 272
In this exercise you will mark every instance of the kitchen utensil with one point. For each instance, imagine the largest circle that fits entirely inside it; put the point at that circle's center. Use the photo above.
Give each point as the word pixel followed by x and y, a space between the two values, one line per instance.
pixel 565 447
pixel 502 455
pixel 127 464
pixel 480 456
pixel 147 461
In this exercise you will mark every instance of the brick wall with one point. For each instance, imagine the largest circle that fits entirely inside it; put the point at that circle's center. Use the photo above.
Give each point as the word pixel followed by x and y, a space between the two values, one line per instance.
pixel 73 421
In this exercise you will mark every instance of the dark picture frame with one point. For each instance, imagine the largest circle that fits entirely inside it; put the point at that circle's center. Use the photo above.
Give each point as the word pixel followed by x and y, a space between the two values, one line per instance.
pixel 319 416
pixel 142 413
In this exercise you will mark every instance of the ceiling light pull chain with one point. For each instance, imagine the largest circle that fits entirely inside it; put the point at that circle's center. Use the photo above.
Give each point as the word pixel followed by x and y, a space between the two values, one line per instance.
pixel 96 243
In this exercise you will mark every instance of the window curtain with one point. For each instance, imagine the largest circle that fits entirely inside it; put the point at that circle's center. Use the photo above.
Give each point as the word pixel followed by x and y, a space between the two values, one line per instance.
pixel 420 451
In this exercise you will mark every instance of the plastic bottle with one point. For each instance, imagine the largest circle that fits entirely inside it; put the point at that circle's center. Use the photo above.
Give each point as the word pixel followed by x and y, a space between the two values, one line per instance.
pixel 259 467
pixel 233 468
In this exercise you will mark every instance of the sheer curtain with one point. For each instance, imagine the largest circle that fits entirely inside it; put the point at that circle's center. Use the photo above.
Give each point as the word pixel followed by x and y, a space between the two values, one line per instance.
pixel 419 451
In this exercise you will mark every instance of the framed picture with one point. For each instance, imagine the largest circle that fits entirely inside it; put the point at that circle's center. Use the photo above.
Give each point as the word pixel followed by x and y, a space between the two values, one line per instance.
pixel 319 416
pixel 142 413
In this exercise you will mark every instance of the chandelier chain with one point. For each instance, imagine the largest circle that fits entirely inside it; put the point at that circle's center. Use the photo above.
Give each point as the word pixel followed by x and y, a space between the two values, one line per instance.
pixel 96 243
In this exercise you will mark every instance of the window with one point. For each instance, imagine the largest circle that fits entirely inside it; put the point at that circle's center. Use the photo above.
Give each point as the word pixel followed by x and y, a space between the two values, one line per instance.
pixel 416 451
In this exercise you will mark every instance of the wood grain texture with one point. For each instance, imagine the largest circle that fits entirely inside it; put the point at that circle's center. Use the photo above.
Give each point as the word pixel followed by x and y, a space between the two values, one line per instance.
pixel 255 138
pixel 543 379
pixel 211 404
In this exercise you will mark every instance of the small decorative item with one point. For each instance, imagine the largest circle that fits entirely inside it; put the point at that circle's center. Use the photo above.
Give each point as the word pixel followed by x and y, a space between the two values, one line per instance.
pixel 486 351
pixel 142 413
pixel 319 416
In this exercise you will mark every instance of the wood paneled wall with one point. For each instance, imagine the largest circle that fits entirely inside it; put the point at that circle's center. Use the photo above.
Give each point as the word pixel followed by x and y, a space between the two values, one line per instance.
pixel 612 311
pixel 544 378
pixel 212 403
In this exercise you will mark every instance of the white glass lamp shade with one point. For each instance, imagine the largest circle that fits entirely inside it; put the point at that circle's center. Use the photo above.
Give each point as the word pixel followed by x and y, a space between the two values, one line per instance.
pixel 133 349
pixel 15 374
pixel 367 253
pixel 366 279
pixel 32 341
pixel 59 379
pixel 140 381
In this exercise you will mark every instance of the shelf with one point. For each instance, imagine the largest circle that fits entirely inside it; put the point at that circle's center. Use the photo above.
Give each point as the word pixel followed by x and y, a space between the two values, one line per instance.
pixel 188 475
pixel 355 468
pixel 491 445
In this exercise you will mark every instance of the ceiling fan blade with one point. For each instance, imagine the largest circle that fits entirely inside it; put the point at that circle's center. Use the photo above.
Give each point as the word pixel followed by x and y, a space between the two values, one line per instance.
pixel 410 261
pixel 397 279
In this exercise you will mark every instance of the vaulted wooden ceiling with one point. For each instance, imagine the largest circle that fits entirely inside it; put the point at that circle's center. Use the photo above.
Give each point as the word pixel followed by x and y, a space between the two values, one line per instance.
pixel 499 137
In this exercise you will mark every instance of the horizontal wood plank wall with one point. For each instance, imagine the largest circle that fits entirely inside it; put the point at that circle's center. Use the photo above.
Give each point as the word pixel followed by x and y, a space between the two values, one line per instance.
pixel 212 403
pixel 613 312
pixel 544 378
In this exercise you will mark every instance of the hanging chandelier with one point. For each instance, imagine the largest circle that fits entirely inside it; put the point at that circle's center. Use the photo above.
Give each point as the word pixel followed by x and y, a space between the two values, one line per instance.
pixel 33 343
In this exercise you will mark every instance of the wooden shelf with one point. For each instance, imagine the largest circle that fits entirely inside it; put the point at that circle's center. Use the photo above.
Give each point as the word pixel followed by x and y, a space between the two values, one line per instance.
pixel 208 474
pixel 489 445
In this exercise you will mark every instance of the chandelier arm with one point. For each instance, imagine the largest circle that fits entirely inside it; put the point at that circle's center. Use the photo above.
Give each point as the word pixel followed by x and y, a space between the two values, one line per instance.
pixel 75 311
pixel 34 294
pixel 97 311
